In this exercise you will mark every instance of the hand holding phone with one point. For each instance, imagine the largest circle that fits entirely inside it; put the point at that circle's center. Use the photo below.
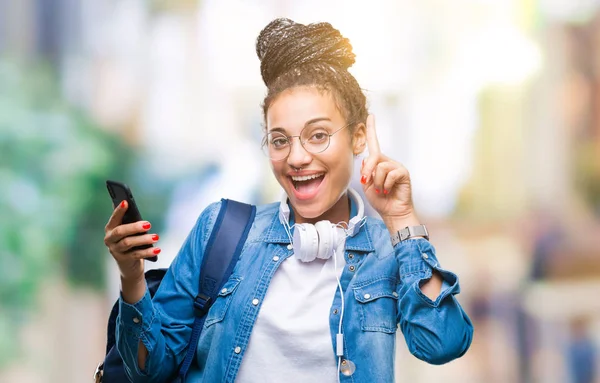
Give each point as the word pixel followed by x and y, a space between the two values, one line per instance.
pixel 120 192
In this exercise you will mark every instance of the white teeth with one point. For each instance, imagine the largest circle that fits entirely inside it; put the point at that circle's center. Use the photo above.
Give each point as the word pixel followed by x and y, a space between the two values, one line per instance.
pixel 306 178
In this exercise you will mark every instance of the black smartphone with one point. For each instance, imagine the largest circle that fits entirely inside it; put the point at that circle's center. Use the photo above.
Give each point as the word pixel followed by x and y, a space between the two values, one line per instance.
pixel 118 192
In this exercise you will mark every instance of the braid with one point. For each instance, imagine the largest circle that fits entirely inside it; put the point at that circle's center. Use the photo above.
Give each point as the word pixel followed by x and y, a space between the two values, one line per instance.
pixel 294 54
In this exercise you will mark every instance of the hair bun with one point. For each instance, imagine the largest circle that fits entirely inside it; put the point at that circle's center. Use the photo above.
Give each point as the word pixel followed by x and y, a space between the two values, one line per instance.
pixel 284 44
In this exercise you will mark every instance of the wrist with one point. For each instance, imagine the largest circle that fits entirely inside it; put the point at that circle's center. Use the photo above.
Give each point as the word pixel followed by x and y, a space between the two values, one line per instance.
pixel 132 281
pixel 133 289
pixel 396 223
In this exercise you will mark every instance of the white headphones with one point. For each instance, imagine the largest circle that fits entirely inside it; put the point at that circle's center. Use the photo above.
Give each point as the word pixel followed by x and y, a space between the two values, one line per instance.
pixel 321 239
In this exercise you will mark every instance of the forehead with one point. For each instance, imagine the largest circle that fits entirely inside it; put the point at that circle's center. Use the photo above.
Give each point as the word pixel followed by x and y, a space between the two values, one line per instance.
pixel 294 107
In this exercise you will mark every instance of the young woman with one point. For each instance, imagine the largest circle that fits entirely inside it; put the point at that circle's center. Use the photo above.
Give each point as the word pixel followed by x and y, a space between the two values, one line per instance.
pixel 314 311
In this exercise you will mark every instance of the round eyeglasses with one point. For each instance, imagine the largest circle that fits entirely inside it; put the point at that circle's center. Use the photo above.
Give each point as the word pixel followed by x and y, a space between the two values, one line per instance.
pixel 277 146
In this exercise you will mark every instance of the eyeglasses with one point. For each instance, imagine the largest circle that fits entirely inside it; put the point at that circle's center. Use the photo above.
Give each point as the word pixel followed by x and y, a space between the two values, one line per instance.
pixel 277 146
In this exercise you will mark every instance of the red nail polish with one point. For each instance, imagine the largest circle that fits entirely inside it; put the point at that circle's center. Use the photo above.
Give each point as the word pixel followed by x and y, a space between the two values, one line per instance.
pixel 385 191
pixel 155 237
pixel 377 191
pixel 156 251
pixel 122 204
pixel 363 180
pixel 146 226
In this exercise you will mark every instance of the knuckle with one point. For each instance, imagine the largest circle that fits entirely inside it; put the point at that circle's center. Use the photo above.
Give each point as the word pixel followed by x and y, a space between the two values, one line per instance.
pixel 140 254
pixel 126 242
pixel 402 173
pixel 134 254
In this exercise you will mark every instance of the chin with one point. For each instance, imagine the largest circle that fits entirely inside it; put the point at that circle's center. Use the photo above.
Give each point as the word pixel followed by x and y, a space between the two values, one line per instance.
pixel 310 212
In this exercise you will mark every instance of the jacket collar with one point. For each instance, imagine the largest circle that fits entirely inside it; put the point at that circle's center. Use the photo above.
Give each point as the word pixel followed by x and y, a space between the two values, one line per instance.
pixel 276 233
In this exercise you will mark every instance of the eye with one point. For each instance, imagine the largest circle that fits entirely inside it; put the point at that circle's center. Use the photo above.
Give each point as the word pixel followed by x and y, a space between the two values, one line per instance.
pixel 278 142
pixel 318 136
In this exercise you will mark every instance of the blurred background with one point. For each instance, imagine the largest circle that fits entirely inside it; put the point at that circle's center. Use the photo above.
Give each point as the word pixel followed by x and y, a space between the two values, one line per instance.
pixel 493 105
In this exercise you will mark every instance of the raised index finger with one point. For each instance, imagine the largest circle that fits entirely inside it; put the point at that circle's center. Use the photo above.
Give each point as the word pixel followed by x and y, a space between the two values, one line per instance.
pixel 372 141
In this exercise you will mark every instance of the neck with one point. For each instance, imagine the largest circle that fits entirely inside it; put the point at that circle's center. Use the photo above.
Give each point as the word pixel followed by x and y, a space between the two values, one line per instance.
pixel 339 212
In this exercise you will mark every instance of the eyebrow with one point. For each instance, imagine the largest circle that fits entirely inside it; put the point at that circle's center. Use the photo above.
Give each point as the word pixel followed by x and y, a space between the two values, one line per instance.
pixel 309 122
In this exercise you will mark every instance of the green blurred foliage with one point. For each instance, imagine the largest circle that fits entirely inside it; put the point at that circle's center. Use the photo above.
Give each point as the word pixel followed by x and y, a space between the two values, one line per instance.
pixel 53 201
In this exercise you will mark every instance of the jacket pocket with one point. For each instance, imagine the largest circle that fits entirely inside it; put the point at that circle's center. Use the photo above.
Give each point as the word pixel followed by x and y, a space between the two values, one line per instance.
pixel 219 308
pixel 377 302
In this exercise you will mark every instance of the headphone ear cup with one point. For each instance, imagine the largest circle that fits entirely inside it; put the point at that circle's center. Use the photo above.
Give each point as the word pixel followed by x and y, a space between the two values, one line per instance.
pixel 327 236
pixel 305 242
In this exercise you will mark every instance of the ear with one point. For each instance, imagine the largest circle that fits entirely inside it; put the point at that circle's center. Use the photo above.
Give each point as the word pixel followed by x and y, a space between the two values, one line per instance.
pixel 359 139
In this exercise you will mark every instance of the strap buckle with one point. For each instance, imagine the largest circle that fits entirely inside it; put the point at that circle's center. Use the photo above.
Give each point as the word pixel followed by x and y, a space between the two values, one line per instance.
pixel 201 304
pixel 99 373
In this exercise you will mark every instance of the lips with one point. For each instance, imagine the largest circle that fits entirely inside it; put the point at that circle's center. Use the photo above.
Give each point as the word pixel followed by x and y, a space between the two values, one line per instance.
pixel 301 182
pixel 306 187
pixel 307 177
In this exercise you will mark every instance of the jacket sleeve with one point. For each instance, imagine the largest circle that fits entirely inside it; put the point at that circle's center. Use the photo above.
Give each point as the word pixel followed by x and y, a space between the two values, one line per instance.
pixel 164 324
pixel 435 331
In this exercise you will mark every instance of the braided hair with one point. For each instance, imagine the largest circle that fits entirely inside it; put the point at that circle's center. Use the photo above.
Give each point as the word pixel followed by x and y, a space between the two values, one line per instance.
pixel 293 54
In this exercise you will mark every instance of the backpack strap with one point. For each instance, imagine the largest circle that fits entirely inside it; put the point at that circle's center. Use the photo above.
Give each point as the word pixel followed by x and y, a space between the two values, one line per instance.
pixel 222 252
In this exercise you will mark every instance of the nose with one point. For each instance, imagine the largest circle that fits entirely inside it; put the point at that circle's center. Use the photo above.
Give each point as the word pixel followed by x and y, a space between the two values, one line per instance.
pixel 298 157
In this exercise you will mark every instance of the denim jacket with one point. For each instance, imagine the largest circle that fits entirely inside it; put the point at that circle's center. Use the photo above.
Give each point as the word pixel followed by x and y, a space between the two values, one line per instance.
pixel 381 291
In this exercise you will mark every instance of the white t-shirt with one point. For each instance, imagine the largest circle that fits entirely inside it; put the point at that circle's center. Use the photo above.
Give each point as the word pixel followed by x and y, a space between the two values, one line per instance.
pixel 291 339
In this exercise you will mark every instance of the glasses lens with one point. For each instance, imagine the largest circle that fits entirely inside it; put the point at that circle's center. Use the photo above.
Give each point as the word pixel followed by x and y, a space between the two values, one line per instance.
pixel 276 146
pixel 315 140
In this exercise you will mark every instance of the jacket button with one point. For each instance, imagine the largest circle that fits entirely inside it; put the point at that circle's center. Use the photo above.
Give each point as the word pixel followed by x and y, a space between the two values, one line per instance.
pixel 367 296
pixel 425 256
pixel 237 350
pixel 351 256
pixel 352 268
pixel 136 320
pixel 395 294
pixel 255 302
pixel 275 258
pixel 335 311
pixel 223 290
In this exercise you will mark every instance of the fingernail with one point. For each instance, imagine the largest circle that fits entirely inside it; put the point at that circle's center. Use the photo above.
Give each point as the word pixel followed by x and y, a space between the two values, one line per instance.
pixel 363 180
pixel 385 191
pixel 155 237
pixel 156 251
pixel 146 226
pixel 377 191
pixel 122 204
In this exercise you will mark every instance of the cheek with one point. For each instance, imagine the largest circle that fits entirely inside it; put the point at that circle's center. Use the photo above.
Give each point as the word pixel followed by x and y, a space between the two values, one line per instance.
pixel 276 168
pixel 343 165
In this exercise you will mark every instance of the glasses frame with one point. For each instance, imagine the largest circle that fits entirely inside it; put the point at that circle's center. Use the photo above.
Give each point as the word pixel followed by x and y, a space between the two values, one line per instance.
pixel 290 141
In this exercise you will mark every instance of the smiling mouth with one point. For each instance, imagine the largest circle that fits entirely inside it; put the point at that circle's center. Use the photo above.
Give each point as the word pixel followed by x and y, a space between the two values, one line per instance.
pixel 307 184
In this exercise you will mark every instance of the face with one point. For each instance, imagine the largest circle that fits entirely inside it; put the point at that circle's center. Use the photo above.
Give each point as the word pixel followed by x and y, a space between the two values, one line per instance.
pixel 315 190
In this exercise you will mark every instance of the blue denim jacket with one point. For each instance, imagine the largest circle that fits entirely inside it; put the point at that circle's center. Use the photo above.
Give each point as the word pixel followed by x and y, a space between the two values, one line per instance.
pixel 380 284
